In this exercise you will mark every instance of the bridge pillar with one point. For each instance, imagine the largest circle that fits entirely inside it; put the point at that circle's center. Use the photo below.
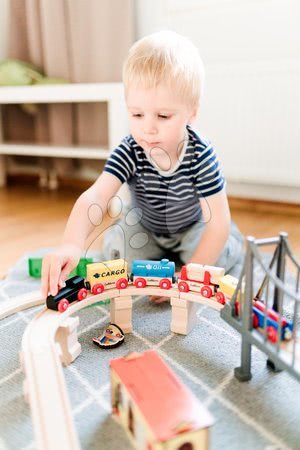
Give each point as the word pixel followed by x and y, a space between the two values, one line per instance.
pixel 121 312
pixel 243 373
pixel 184 316
pixel 66 337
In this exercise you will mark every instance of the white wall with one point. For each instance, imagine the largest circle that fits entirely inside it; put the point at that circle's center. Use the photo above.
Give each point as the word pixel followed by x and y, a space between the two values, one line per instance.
pixel 3 27
pixel 251 106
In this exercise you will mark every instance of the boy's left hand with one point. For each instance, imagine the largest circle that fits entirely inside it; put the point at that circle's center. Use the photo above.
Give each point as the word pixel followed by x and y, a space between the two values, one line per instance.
pixel 158 299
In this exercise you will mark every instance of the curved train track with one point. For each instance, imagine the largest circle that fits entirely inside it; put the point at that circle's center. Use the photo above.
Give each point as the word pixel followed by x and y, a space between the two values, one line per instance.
pixel 44 385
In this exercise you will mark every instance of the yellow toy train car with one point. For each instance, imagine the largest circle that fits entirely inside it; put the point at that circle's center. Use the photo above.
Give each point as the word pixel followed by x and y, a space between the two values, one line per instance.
pixel 227 285
pixel 107 275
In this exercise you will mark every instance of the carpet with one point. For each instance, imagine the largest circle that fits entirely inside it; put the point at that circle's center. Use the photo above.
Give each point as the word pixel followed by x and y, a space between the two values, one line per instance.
pixel 260 414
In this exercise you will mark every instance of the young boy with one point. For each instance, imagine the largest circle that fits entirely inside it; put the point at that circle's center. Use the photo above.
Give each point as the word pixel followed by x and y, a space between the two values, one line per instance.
pixel 178 197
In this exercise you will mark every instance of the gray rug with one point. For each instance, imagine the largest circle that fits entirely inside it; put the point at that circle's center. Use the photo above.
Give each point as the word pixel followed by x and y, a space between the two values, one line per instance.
pixel 260 414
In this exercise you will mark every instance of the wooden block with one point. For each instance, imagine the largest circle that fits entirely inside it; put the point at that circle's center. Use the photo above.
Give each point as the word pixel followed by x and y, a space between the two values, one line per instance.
pixel 180 303
pixel 184 317
pixel 66 337
pixel 121 312
pixel 71 355
pixel 122 318
pixel 121 302
pixel 70 324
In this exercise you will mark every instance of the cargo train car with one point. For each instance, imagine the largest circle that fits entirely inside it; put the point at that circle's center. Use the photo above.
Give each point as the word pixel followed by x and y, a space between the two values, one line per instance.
pixel 107 275
pixel 202 279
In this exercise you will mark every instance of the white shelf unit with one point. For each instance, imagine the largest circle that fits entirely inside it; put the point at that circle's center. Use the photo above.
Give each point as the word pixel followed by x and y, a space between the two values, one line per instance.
pixel 110 93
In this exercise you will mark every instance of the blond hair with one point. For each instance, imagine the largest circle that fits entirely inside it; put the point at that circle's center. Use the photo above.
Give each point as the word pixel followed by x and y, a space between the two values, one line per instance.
pixel 166 57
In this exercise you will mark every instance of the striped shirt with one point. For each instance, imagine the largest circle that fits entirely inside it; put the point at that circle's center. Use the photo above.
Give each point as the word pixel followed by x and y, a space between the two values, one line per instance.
pixel 169 201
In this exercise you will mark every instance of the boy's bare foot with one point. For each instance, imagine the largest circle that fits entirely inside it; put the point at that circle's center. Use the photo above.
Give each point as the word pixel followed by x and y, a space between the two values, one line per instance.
pixel 158 299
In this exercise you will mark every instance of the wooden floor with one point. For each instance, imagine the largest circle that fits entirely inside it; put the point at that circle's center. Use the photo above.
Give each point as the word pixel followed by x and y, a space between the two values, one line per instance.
pixel 31 218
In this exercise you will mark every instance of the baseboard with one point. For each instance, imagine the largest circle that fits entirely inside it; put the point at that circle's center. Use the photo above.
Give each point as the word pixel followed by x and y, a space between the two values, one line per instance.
pixel 266 206
pixel 264 192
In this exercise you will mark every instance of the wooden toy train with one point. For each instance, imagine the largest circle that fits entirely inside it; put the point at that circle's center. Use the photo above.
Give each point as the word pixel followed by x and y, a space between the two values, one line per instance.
pixel 207 281
pixel 114 274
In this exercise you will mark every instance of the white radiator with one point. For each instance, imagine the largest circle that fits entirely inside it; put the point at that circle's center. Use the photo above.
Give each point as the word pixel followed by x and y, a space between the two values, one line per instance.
pixel 251 112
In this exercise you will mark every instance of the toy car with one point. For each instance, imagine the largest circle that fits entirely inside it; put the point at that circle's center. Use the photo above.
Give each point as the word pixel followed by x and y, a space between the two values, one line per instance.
pixel 75 289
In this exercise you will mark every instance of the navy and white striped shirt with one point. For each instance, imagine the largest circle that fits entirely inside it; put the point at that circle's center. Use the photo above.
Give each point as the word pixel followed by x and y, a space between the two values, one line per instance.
pixel 169 200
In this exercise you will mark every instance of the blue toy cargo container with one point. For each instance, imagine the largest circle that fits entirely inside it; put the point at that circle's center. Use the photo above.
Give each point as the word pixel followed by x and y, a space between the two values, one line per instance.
pixel 146 268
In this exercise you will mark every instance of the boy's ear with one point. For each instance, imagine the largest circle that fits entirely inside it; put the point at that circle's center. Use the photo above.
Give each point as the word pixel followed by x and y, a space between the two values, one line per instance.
pixel 194 114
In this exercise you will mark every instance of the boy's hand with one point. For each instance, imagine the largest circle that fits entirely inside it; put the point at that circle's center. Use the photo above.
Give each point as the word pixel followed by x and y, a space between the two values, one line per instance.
pixel 57 266
pixel 158 299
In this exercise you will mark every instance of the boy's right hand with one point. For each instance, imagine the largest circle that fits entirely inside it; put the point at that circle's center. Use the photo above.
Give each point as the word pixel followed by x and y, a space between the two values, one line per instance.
pixel 57 266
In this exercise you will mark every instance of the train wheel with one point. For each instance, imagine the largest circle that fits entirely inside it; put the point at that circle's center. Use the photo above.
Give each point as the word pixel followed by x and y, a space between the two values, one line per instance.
pixel 140 283
pixel 272 334
pixel 122 283
pixel 220 298
pixel 82 294
pixel 165 284
pixel 63 305
pixel 98 288
pixel 183 286
pixel 206 291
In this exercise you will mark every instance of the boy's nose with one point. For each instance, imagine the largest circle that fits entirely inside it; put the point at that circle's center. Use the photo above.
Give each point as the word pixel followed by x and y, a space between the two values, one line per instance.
pixel 150 127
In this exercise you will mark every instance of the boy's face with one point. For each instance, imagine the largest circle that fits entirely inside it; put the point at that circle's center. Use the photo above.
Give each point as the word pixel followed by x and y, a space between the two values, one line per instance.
pixel 158 118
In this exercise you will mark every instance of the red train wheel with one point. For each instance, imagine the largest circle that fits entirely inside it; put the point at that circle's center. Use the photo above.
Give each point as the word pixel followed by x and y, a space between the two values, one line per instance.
pixel 122 283
pixel 220 298
pixel 183 286
pixel 63 305
pixel 140 283
pixel 165 284
pixel 82 294
pixel 206 291
pixel 97 288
